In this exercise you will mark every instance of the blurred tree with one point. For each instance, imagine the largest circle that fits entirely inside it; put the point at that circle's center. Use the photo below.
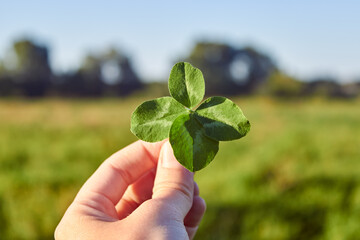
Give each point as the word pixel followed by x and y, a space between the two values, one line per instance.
pixel 88 78
pixel 324 87
pixel 118 74
pixel 351 90
pixel 6 83
pixel 282 85
pixel 229 70
pixel 32 71
pixel 109 73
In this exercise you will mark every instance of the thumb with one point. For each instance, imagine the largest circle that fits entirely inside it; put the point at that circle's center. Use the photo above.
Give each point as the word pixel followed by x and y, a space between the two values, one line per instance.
pixel 174 184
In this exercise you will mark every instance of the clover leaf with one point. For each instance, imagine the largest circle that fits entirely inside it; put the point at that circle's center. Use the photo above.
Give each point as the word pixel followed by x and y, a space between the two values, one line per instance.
pixel 194 134
pixel 222 119
pixel 191 146
pixel 186 84
pixel 151 121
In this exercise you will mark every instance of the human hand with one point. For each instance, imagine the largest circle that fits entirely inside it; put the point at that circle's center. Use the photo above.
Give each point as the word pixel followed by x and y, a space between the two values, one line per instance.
pixel 140 192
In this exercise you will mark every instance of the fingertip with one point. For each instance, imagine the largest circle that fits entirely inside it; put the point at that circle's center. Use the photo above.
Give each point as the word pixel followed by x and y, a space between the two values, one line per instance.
pixel 168 159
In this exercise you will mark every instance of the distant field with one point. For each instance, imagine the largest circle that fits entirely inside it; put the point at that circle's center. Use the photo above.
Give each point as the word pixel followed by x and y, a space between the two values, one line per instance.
pixel 295 176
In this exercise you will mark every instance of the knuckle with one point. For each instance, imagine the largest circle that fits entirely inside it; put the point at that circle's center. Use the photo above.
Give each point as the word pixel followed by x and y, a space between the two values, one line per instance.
pixel 179 188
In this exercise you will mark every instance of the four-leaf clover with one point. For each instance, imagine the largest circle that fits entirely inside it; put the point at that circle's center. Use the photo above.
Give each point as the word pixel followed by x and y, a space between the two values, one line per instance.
pixel 194 134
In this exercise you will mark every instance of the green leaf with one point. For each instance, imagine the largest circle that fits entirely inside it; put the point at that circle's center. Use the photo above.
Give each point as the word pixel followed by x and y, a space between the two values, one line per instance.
pixel 186 84
pixel 222 119
pixel 151 121
pixel 192 148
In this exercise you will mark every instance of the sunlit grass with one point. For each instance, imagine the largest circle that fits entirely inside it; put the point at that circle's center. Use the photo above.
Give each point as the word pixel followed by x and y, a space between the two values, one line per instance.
pixel 295 176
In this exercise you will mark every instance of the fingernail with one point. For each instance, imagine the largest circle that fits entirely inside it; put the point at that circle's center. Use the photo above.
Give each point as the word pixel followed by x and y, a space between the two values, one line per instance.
pixel 169 160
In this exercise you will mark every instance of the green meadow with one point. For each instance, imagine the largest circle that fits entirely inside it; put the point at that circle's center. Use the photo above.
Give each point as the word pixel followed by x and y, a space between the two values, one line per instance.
pixel 296 175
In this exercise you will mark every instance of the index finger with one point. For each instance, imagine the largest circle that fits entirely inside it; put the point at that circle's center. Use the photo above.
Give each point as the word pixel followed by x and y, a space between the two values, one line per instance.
pixel 121 169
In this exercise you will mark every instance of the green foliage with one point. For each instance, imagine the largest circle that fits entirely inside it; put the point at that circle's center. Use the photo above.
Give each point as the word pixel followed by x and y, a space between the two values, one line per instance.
pixel 296 176
pixel 193 135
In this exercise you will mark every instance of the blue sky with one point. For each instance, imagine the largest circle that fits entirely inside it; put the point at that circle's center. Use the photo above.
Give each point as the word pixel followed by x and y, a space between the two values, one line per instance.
pixel 306 38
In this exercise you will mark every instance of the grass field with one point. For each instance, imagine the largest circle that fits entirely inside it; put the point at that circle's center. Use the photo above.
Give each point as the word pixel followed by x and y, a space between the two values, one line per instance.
pixel 295 176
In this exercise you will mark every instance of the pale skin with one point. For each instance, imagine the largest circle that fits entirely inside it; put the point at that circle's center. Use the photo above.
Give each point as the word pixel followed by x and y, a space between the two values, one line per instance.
pixel 140 192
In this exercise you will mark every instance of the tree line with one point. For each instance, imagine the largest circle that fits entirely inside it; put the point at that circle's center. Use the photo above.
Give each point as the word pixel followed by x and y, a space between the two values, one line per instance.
pixel 228 70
